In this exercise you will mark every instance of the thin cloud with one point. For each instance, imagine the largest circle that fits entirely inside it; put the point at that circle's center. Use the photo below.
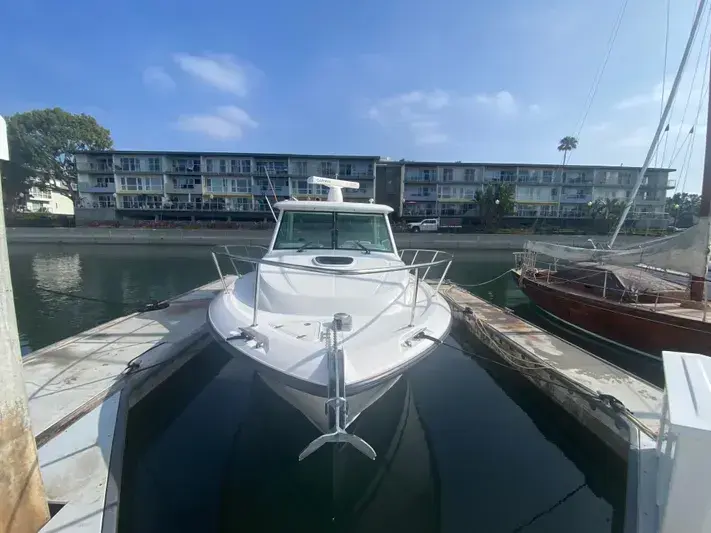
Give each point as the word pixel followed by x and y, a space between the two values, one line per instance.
pixel 227 122
pixel 417 111
pixel 222 72
pixel 502 101
pixel 158 78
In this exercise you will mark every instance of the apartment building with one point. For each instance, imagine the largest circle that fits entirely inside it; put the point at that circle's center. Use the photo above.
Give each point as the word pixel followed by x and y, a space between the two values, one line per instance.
pixel 209 185
pixel 51 202
pixel 541 191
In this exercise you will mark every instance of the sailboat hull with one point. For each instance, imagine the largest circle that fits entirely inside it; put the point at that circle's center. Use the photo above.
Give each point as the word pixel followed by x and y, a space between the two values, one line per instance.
pixel 632 327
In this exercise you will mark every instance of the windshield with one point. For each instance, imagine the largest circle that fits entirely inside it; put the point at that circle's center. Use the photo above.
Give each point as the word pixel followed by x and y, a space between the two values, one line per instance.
pixel 302 230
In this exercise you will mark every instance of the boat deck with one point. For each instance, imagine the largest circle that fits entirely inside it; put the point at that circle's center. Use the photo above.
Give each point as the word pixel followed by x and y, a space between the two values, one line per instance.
pixel 639 279
pixel 677 310
pixel 75 397
pixel 528 347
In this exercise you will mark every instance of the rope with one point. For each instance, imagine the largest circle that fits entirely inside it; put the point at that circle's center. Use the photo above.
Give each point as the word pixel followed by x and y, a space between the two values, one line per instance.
pixel 483 282
pixel 551 508
pixel 664 85
pixel 601 70
pixel 143 307
pixel 605 400
pixel 702 47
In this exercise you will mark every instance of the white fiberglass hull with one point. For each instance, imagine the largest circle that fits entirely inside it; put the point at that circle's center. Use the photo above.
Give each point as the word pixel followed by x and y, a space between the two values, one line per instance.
pixel 314 407
pixel 288 342
pixel 330 344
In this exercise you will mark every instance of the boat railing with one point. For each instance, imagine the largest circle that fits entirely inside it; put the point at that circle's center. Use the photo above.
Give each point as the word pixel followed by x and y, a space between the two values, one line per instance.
pixel 599 281
pixel 435 258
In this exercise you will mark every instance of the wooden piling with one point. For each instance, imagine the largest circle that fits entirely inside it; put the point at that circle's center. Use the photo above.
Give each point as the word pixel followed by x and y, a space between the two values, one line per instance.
pixel 23 506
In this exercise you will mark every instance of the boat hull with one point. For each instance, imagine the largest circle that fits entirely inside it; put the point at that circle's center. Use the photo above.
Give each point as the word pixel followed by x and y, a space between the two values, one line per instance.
pixel 314 407
pixel 639 329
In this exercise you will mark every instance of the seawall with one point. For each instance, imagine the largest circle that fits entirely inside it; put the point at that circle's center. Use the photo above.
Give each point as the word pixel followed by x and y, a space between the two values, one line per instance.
pixel 220 237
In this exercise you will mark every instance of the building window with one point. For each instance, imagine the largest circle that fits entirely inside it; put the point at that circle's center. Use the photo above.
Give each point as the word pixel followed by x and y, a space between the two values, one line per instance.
pixel 469 174
pixel 345 169
pixel 508 176
pixel 130 164
pixel 154 164
pixel 447 174
pixel 300 168
pixel 327 168
pixel 223 166
pixel 208 165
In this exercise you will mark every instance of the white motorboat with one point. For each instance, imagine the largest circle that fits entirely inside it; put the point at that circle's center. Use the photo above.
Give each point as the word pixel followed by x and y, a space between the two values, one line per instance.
pixel 331 314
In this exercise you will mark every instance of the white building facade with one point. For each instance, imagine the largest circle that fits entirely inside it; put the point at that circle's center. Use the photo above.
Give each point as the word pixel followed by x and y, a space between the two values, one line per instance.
pixel 540 191
pixel 211 183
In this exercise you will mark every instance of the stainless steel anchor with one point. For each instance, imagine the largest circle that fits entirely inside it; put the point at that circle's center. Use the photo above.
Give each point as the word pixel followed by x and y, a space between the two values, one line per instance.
pixel 336 401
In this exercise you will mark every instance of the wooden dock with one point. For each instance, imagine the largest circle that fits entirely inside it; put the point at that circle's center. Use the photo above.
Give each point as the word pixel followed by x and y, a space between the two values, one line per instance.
pixel 571 376
pixel 80 390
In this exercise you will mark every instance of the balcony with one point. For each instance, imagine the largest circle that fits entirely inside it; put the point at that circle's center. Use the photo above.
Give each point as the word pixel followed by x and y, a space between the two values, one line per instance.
pixel 183 188
pixel 429 197
pixel 267 191
pixel 535 213
pixel 227 191
pixel 101 168
pixel 106 188
pixel 97 205
pixel 576 198
pixel 187 206
pixel 418 211
pixel 360 193
pixel 140 189
pixel 271 172
pixel 184 169
pixel 644 215
pixel 420 178
pixel 574 214
pixel 456 199
pixel 585 182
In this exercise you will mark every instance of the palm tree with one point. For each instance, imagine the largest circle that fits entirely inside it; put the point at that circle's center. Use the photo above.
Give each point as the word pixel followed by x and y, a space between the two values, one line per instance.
pixel 567 144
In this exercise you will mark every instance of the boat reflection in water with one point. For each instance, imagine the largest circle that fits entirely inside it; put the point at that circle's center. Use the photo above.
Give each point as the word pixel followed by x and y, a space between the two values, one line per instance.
pixel 338 488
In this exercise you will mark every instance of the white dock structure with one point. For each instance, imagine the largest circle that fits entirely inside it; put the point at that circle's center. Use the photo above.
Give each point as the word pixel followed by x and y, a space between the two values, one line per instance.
pixel 80 390
pixel 663 435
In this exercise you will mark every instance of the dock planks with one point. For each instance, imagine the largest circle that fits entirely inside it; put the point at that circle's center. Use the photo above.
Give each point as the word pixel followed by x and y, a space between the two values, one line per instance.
pixel 74 388
pixel 536 348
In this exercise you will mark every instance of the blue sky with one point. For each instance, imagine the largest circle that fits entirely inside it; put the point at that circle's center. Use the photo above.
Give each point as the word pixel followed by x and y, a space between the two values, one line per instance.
pixel 449 80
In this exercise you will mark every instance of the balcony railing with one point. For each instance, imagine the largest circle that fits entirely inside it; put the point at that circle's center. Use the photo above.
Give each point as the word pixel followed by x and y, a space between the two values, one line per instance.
pixel 140 189
pixel 95 167
pixel 227 190
pixel 97 187
pixel 187 206
pixel 421 178
pixel 97 205
pixel 533 213
pixel 267 191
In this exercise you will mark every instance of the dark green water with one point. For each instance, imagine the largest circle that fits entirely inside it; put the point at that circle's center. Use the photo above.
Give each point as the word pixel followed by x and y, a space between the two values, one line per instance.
pixel 464 445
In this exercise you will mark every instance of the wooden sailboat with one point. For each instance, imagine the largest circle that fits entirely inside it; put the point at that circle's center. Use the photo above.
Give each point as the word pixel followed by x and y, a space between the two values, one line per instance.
pixel 648 298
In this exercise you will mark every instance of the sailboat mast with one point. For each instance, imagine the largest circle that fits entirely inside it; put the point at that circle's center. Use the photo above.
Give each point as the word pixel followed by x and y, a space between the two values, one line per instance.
pixel 698 283
pixel 662 120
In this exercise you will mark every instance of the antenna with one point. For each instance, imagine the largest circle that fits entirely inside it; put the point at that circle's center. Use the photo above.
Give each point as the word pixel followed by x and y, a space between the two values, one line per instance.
pixel 273 191
pixel 334 186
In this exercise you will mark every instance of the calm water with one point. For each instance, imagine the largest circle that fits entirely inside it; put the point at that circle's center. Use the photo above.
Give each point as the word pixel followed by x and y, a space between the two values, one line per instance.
pixel 463 445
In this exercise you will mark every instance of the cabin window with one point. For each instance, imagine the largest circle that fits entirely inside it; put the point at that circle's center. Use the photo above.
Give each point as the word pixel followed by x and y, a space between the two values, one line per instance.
pixel 341 231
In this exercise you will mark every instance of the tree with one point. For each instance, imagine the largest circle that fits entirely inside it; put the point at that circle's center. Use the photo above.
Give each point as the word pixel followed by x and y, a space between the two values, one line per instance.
pixel 608 209
pixel 42 146
pixel 494 202
pixel 683 207
pixel 567 144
